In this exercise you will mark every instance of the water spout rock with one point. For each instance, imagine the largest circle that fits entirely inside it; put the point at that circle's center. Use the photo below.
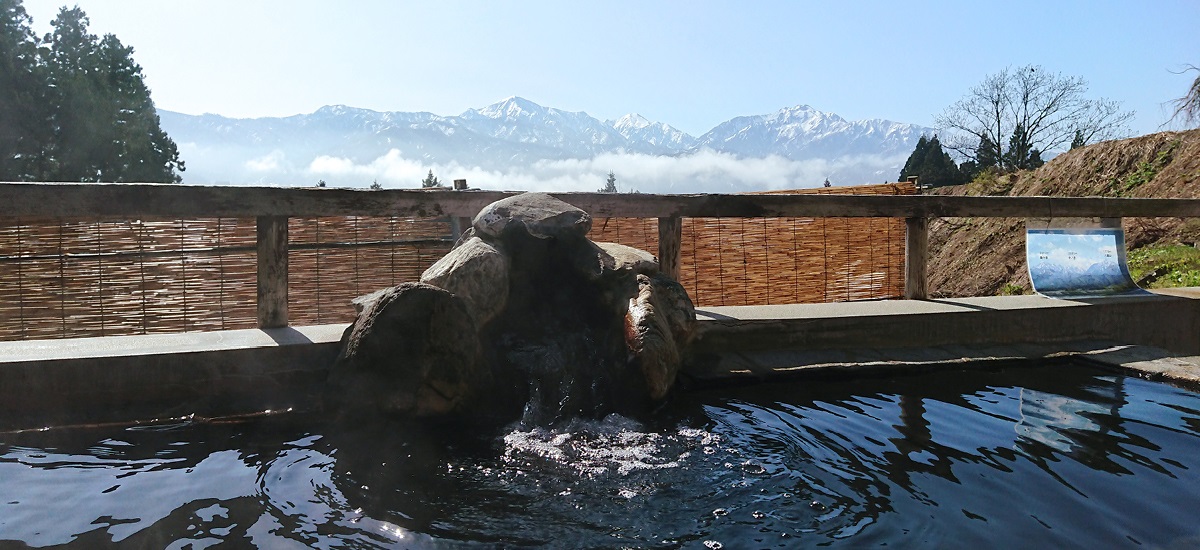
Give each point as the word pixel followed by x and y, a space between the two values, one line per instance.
pixel 525 318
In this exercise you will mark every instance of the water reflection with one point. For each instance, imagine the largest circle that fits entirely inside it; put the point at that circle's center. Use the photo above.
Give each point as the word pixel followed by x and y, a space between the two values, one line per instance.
pixel 983 456
pixel 1057 456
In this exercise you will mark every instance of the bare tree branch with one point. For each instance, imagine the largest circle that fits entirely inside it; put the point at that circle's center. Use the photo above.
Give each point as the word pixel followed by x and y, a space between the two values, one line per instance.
pixel 1188 106
pixel 1031 109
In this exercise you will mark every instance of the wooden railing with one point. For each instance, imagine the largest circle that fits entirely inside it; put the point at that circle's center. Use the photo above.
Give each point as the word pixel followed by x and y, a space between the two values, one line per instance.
pixel 273 206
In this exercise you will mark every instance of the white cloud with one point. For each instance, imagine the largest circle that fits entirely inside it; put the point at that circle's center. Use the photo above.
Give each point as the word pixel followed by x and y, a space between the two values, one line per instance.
pixel 271 162
pixel 706 171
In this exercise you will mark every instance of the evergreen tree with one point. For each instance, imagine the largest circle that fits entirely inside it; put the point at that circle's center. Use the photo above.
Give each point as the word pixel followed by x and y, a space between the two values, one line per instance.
pixel 1034 160
pixel 92 118
pixel 914 160
pixel 610 185
pixel 430 181
pixel 987 154
pixel 1078 141
pixel 932 165
pixel 1021 154
pixel 1019 147
pixel 969 169
pixel 22 87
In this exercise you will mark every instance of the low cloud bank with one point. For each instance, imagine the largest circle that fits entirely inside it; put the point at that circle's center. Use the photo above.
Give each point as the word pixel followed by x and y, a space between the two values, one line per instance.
pixel 705 171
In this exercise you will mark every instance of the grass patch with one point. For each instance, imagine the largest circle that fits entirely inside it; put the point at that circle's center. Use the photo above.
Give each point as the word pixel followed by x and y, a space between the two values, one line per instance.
pixel 1177 265
pixel 1145 171
pixel 1012 289
pixel 991 181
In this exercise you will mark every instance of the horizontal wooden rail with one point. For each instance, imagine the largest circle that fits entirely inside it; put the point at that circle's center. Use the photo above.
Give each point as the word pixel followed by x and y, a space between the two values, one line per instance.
pixel 89 200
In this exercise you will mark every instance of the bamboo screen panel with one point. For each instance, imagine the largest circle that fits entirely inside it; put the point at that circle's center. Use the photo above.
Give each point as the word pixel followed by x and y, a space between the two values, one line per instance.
pixel 71 279
pixel 759 261
pixel 333 260
pixel 100 278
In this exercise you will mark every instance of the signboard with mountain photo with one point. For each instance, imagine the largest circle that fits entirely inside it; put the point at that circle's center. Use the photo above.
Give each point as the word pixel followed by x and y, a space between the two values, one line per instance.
pixel 1078 263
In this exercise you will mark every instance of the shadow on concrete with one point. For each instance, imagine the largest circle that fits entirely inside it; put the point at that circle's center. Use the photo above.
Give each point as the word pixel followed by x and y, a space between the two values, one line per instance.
pixel 952 303
pixel 286 336
pixel 714 316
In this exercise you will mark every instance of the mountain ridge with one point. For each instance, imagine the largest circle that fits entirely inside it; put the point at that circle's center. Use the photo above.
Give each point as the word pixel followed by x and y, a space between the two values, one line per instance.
pixel 516 134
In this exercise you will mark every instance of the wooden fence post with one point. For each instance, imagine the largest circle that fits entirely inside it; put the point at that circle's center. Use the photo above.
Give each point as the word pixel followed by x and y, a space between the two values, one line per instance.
pixel 272 271
pixel 916 256
pixel 461 224
pixel 670 239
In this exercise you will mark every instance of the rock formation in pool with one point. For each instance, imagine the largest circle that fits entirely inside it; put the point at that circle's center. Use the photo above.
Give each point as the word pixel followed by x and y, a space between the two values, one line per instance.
pixel 524 318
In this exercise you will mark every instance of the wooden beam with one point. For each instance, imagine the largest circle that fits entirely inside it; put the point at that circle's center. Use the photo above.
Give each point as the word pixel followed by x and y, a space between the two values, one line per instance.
pixel 916 258
pixel 91 201
pixel 272 271
pixel 670 239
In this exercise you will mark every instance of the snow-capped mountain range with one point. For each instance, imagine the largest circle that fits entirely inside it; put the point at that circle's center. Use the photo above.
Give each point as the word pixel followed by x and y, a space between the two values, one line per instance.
pixel 520 143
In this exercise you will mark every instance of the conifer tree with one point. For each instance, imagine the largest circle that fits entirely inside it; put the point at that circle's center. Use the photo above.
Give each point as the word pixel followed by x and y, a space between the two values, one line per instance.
pixel 91 118
pixel 1078 141
pixel 1034 160
pixel 914 160
pixel 610 185
pixel 22 87
pixel 987 154
pixel 430 181
pixel 932 164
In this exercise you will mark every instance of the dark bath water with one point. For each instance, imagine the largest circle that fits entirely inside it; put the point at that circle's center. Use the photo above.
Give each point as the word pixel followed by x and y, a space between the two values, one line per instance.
pixel 1060 456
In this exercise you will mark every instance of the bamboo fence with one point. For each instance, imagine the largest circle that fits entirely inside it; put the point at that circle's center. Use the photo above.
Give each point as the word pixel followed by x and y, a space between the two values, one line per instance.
pixel 81 278
pixel 761 261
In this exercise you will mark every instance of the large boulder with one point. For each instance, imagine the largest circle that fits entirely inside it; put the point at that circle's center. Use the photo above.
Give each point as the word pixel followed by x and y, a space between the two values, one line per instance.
pixel 659 325
pixel 413 351
pixel 536 214
pixel 477 273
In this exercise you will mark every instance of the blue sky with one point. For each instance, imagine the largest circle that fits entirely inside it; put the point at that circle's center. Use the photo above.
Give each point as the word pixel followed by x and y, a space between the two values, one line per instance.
pixel 690 64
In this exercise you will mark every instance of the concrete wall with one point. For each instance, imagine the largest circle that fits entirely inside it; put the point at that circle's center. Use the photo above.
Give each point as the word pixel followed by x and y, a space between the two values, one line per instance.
pixel 1169 322
pixel 128 378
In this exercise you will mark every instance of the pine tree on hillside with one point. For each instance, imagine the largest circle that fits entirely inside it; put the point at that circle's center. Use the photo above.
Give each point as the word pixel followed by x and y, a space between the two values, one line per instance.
pixel 1034 160
pixel 92 117
pixel 932 165
pixel 1078 141
pixel 914 160
pixel 1017 155
pixel 987 154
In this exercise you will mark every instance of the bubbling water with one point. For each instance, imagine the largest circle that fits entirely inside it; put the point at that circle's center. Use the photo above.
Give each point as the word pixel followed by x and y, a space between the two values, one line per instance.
pixel 595 448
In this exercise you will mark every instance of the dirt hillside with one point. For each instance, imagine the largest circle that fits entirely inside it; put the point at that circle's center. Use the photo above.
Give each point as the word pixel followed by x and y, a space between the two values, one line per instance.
pixel 986 256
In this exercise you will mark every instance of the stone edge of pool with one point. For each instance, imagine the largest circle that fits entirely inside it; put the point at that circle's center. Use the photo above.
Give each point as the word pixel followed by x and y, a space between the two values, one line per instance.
pixel 153 377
